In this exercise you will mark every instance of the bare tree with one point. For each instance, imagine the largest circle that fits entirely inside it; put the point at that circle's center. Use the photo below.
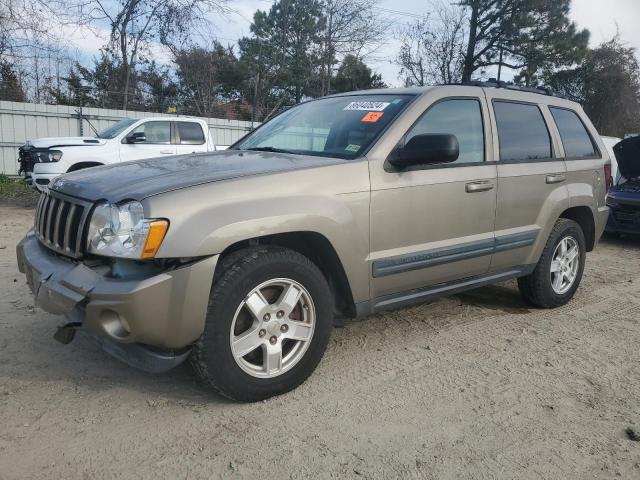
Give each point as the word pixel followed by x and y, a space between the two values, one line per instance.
pixel 135 24
pixel 432 48
pixel 352 27
pixel 30 47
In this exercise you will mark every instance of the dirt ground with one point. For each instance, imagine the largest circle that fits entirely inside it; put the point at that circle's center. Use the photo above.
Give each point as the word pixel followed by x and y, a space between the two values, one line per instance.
pixel 475 386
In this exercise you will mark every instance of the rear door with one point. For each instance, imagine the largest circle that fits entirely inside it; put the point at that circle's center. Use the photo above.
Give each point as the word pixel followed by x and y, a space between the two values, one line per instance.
pixel 190 137
pixel 584 159
pixel 434 223
pixel 157 142
pixel 531 176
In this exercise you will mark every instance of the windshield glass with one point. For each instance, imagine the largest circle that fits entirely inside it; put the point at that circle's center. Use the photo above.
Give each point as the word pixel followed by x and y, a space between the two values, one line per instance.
pixel 116 129
pixel 340 127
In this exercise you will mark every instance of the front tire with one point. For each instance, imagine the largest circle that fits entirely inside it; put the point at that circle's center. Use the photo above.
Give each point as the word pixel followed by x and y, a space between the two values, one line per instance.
pixel 268 324
pixel 559 271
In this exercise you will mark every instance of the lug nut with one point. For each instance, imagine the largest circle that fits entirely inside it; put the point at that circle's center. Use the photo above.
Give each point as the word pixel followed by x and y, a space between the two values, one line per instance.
pixel 284 328
pixel 273 340
pixel 280 314
pixel 266 317
pixel 262 332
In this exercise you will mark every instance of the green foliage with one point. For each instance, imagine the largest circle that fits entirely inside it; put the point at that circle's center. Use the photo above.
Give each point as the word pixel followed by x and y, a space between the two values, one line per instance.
pixel 10 88
pixel 16 191
pixel 354 74
pixel 281 55
pixel 549 40
pixel 607 83
pixel 207 78
pixel 533 35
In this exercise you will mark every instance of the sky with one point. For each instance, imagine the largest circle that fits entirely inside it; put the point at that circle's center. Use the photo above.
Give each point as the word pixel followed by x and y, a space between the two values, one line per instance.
pixel 602 17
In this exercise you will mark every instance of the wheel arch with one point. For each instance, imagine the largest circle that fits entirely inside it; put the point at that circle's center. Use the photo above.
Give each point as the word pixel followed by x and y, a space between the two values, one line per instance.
pixel 83 165
pixel 320 251
pixel 583 216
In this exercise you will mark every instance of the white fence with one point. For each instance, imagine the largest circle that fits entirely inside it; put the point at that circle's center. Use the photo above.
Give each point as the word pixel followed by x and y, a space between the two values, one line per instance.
pixel 20 122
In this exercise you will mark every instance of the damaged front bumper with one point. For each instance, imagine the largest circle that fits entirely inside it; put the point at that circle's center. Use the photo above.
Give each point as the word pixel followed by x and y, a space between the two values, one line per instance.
pixel 139 319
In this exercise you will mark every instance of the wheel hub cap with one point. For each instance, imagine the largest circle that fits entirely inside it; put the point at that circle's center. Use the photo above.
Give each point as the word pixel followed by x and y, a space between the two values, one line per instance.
pixel 272 328
pixel 564 265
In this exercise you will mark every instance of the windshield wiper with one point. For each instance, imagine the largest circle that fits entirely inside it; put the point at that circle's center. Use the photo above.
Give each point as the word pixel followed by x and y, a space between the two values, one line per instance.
pixel 269 149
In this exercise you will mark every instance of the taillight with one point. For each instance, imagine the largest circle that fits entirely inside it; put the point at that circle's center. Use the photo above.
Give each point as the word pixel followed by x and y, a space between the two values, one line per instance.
pixel 608 179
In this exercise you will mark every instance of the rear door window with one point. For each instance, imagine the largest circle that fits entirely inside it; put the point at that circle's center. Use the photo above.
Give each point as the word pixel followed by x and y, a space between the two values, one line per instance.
pixel 575 138
pixel 190 133
pixel 522 132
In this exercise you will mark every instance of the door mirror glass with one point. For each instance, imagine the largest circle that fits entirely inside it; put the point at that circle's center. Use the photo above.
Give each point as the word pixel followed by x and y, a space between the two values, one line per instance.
pixel 136 137
pixel 426 149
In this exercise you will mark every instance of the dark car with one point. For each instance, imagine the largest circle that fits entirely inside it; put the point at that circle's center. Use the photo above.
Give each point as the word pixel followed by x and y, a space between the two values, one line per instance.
pixel 624 198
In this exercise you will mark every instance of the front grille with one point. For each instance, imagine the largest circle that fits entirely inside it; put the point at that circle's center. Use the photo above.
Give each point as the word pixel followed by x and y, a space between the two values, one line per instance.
pixel 632 186
pixel 29 156
pixel 59 223
pixel 627 214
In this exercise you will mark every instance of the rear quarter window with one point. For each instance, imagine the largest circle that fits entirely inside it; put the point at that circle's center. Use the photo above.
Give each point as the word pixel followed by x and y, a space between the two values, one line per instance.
pixel 522 132
pixel 575 138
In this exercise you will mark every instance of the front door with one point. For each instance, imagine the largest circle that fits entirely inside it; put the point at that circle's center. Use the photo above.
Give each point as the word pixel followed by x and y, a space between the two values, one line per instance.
pixel 434 223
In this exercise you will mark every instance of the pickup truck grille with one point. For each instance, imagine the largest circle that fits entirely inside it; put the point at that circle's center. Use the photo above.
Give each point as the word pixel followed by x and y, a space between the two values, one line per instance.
pixel 59 223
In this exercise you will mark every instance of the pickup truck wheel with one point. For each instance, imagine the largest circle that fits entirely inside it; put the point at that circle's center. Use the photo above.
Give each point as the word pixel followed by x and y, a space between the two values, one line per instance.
pixel 559 270
pixel 268 324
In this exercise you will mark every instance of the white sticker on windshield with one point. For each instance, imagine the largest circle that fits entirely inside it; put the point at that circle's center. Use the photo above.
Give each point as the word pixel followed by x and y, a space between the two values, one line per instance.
pixel 367 106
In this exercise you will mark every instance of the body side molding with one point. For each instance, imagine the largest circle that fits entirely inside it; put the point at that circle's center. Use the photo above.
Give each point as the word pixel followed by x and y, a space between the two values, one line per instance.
pixel 420 295
pixel 439 256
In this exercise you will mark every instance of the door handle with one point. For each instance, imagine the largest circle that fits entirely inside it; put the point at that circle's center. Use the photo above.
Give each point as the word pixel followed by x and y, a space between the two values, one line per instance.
pixel 475 187
pixel 555 178
pixel 167 152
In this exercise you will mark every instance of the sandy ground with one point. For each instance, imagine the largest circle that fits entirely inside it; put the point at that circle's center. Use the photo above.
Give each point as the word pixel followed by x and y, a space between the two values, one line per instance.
pixel 475 386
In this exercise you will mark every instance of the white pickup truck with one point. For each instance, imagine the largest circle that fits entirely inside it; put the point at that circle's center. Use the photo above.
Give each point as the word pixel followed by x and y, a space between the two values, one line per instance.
pixel 43 159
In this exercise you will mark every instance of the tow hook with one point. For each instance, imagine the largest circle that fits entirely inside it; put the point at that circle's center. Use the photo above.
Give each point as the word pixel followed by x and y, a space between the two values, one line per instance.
pixel 66 333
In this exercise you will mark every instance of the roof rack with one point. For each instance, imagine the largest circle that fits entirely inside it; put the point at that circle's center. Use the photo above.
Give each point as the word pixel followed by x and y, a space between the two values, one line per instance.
pixel 493 83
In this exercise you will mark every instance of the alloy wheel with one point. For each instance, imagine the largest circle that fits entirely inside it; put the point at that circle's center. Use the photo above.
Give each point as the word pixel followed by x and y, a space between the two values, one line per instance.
pixel 272 328
pixel 565 264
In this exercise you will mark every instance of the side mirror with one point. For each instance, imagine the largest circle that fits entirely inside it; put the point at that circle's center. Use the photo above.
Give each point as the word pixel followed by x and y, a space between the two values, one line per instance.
pixel 136 137
pixel 425 149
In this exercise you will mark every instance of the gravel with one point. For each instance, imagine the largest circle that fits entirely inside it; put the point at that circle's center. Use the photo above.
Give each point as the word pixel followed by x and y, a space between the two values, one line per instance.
pixel 476 386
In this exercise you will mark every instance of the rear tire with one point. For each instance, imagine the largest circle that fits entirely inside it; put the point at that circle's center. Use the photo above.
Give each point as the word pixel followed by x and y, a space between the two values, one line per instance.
pixel 264 299
pixel 556 277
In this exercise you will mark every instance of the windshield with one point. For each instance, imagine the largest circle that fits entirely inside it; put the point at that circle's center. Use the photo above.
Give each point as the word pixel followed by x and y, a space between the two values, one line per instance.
pixel 116 129
pixel 341 127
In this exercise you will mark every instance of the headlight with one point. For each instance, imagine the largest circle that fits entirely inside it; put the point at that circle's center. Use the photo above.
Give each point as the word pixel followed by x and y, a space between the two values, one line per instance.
pixel 122 231
pixel 611 202
pixel 55 155
pixel 50 156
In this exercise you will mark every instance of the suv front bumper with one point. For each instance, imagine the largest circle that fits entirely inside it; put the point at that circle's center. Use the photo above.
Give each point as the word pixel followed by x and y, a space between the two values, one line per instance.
pixel 166 311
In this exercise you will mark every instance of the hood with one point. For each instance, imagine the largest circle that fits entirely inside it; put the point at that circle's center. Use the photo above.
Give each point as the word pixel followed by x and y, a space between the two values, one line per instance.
pixel 628 157
pixel 143 178
pixel 53 142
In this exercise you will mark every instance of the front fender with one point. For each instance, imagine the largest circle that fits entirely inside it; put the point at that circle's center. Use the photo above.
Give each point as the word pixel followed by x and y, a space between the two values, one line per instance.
pixel 207 219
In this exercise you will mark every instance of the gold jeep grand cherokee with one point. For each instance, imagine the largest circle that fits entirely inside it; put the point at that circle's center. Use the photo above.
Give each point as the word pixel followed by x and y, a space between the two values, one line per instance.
pixel 242 260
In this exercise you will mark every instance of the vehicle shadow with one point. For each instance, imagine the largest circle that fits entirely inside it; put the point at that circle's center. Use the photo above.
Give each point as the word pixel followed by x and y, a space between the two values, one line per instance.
pixel 500 297
pixel 36 357
pixel 624 241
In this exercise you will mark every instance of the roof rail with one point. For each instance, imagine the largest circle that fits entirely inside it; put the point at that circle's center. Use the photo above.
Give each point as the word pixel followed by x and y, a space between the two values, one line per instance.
pixel 493 83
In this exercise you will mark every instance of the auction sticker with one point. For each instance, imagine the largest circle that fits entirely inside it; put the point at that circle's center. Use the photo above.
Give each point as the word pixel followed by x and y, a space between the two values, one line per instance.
pixel 367 106
pixel 372 117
